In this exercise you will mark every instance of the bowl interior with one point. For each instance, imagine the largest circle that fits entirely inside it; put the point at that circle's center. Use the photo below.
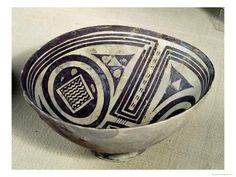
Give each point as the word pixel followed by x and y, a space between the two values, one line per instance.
pixel 116 77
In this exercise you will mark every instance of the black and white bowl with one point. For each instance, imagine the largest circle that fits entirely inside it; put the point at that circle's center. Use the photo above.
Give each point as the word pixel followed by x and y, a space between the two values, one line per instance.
pixel 116 89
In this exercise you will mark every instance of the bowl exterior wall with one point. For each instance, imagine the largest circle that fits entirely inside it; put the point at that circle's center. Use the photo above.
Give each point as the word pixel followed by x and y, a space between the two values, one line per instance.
pixel 114 141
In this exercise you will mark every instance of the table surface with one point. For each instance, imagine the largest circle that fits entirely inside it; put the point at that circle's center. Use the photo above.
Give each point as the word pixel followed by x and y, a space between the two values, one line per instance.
pixel 198 145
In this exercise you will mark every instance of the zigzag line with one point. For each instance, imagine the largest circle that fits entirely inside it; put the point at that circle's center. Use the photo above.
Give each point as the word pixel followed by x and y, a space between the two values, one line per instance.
pixel 78 103
pixel 77 92
pixel 78 97
pixel 74 90
pixel 65 89
pixel 71 83
pixel 75 97
pixel 69 87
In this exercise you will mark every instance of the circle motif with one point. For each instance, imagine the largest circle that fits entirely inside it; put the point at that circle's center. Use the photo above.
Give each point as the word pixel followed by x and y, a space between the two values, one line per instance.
pixel 70 87
pixel 74 93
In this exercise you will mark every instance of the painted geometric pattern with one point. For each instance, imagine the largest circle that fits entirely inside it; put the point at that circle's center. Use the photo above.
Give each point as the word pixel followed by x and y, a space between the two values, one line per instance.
pixel 125 77
pixel 75 93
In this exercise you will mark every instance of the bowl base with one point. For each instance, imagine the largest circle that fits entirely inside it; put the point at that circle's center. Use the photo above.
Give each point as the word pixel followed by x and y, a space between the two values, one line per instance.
pixel 121 157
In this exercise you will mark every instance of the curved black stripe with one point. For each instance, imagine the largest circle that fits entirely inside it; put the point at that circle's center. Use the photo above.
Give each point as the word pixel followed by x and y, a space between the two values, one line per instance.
pixel 203 76
pixel 195 61
pixel 113 125
pixel 43 62
pixel 189 99
pixel 105 84
pixel 176 112
pixel 120 28
pixel 193 70
pixel 204 83
pixel 89 30
pixel 101 28
pixel 42 106
pixel 63 47
pixel 69 50
pixel 59 42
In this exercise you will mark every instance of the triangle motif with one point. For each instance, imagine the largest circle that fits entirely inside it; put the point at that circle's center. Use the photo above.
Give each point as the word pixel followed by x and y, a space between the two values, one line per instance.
pixel 115 64
pixel 177 83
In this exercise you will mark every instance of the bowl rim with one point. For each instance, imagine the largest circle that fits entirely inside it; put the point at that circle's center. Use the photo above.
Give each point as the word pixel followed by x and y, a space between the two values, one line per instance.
pixel 138 30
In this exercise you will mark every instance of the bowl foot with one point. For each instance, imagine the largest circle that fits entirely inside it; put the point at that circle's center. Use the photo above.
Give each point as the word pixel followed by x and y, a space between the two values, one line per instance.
pixel 121 157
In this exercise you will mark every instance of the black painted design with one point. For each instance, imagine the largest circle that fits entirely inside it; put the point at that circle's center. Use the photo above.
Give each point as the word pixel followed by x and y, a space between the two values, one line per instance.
pixel 76 77
pixel 113 125
pixel 85 111
pixel 115 64
pixel 51 58
pixel 64 78
pixel 177 84
pixel 75 93
pixel 176 112
pixel 135 96
pixel 189 99
pixel 42 106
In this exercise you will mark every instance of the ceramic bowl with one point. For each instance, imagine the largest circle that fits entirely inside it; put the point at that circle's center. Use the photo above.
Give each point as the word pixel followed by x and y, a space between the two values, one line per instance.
pixel 116 89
